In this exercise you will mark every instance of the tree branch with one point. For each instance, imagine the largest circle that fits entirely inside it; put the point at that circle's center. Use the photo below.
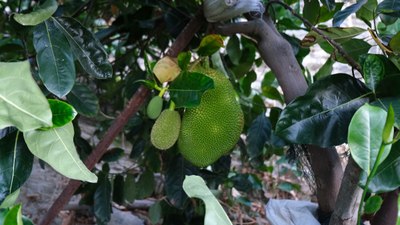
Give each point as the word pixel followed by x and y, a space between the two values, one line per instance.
pixel 132 107
pixel 349 196
pixel 278 55
pixel 332 42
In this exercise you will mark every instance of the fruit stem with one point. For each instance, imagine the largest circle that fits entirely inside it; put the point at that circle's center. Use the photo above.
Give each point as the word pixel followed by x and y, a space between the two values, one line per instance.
pixel 172 105
pixel 162 91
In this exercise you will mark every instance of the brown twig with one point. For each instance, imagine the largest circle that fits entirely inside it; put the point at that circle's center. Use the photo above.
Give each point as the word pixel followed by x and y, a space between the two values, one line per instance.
pixel 332 42
pixel 132 107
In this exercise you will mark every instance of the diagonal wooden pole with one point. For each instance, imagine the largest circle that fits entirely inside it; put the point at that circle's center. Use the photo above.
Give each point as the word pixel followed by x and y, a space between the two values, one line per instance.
pixel 132 107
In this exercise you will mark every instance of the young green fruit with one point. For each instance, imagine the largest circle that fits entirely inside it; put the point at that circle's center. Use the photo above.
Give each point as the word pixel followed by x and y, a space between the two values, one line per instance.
pixel 165 130
pixel 154 107
pixel 212 129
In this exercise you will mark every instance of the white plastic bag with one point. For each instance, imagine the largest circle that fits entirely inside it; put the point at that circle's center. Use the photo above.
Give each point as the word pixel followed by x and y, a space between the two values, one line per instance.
pixel 291 212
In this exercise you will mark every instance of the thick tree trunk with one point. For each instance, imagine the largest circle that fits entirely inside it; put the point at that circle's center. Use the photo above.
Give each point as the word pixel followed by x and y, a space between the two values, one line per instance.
pixel 278 55
pixel 349 197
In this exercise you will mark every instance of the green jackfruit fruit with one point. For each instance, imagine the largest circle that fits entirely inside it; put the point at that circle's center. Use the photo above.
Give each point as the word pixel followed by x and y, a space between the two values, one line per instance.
pixel 165 130
pixel 211 129
pixel 154 107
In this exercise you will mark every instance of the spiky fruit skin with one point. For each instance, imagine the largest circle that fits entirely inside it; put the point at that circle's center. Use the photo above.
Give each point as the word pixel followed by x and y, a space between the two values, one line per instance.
pixel 165 130
pixel 211 129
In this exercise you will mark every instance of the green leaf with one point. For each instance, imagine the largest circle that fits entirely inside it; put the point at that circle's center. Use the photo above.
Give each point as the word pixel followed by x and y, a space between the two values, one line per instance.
pixel 210 44
pixel 15 163
pixel 102 200
pixel 14 216
pixel 387 135
pixel 365 136
pixel 39 14
pixel 389 86
pixel 233 49
pixel 112 155
pixel 330 4
pixel 10 200
pixel 56 147
pixel 54 58
pixel 367 11
pixel 63 112
pixel 325 70
pixel 195 187
pixel 389 7
pixel 118 189
pixel 354 48
pixel 184 60
pixel 311 11
pixel 84 100
pixel 177 170
pixel 186 90
pixel 340 16
pixel 258 134
pixel 395 43
pixel 85 47
pixel 246 81
pixel 139 188
pixel 373 204
pixel 322 115
pixel 374 71
pixel 338 34
pixel 385 103
pixel 22 103
pixel 155 213
pixel 272 93
pixel 387 177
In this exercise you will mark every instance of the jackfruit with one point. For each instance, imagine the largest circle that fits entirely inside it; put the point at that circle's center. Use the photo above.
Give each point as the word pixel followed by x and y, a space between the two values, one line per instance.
pixel 165 130
pixel 211 129
pixel 154 107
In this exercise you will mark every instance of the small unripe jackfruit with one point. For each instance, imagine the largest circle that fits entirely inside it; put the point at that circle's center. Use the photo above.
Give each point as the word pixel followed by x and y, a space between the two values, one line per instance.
pixel 211 129
pixel 165 130
pixel 154 107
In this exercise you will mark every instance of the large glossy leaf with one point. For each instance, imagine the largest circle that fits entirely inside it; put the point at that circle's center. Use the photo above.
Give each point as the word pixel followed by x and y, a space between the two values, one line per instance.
pixel 86 47
pixel 186 90
pixel 195 187
pixel 322 115
pixel 387 177
pixel 56 147
pixel 340 16
pixel 22 103
pixel 15 163
pixel 102 200
pixel 63 113
pixel 374 70
pixel 385 103
pixel 258 134
pixel 39 14
pixel 54 58
pixel 338 34
pixel 365 136
pixel 84 100
pixel 389 7
pixel 178 168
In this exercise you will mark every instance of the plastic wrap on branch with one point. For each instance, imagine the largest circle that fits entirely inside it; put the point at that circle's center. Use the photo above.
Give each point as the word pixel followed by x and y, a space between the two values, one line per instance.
pixel 221 10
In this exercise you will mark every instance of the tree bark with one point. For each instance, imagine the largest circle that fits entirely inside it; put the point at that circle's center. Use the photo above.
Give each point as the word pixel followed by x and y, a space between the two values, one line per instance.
pixel 349 197
pixel 279 56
